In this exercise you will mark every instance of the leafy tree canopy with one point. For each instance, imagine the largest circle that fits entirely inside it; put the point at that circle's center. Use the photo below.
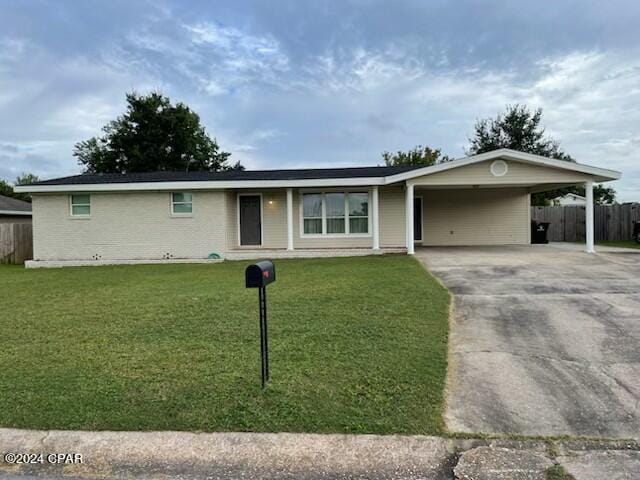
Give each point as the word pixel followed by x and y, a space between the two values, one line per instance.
pixel 417 156
pixel 153 134
pixel 520 128
pixel 6 189
pixel 604 195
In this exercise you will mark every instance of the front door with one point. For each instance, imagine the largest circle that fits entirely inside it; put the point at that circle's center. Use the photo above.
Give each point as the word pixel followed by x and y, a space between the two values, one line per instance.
pixel 417 219
pixel 250 219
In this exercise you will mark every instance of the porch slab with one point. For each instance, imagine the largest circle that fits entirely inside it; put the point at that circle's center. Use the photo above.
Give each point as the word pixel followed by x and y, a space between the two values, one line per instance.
pixel 308 253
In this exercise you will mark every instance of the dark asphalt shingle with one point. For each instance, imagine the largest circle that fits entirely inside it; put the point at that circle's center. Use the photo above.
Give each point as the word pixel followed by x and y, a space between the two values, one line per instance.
pixel 232 175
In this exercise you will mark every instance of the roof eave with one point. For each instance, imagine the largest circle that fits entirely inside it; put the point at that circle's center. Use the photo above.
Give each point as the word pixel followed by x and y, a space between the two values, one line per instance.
pixel 203 185
pixel 599 174
pixel 16 212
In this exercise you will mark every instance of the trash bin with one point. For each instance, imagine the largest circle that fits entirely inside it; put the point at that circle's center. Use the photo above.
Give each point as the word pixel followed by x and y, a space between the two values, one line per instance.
pixel 539 232
pixel 636 231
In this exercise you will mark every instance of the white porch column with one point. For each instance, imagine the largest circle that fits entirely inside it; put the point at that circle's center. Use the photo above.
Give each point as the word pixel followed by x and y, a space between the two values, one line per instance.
pixel 588 188
pixel 375 221
pixel 289 219
pixel 409 218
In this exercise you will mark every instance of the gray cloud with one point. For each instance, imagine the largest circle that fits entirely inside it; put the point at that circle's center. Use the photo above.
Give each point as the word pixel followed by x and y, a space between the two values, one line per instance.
pixel 322 84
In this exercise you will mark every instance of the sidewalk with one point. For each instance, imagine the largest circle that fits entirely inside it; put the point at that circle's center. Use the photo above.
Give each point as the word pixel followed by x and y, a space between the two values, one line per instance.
pixel 308 456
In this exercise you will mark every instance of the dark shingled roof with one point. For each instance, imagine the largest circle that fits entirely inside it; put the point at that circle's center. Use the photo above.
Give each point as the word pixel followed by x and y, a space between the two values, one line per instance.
pixel 13 205
pixel 231 175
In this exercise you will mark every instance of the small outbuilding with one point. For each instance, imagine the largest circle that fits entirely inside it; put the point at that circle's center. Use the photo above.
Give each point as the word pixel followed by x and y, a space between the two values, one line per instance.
pixel 13 210
pixel 570 200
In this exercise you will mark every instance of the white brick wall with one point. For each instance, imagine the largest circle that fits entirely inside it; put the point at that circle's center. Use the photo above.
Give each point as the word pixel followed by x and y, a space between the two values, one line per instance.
pixel 128 226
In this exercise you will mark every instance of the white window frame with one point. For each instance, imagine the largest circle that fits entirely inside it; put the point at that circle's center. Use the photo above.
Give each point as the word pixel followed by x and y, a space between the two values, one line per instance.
pixel 348 216
pixel 172 204
pixel 326 217
pixel 324 233
pixel 322 217
pixel 71 205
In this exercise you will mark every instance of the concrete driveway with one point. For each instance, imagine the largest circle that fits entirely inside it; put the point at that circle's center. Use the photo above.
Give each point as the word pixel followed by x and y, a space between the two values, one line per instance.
pixel 544 340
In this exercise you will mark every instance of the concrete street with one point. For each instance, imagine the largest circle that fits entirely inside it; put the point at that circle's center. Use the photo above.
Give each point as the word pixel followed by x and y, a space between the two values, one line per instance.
pixel 183 455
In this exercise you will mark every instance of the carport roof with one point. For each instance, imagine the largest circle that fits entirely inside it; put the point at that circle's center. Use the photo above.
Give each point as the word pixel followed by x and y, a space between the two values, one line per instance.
pixel 318 177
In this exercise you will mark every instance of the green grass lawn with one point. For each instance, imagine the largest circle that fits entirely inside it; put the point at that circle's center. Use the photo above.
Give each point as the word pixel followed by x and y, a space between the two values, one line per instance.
pixel 622 243
pixel 357 345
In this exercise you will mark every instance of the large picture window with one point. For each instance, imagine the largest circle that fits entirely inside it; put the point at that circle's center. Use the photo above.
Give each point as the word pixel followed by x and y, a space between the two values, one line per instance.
pixel 335 213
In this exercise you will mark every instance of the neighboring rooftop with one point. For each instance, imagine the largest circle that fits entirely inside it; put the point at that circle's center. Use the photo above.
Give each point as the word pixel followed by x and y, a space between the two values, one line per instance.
pixel 239 175
pixel 8 204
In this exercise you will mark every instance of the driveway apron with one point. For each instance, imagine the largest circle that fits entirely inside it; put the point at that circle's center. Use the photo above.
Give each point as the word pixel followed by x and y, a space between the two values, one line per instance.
pixel 544 340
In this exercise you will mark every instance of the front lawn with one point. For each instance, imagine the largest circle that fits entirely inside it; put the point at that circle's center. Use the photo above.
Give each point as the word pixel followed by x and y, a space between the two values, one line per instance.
pixel 621 243
pixel 357 345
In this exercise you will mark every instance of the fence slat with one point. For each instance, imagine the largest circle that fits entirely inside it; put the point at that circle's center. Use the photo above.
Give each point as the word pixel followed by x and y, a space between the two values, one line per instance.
pixel 567 223
pixel 16 242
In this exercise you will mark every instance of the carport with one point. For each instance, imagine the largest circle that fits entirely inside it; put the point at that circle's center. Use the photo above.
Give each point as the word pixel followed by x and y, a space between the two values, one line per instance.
pixel 486 199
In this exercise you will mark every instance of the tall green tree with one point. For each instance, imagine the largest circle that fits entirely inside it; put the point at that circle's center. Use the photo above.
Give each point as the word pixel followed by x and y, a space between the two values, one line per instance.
pixel 520 128
pixel 6 189
pixel 153 134
pixel 604 195
pixel 416 156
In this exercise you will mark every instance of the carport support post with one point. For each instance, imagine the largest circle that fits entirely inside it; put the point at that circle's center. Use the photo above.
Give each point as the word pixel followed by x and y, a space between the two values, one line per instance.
pixel 409 218
pixel 588 188
pixel 289 219
pixel 376 218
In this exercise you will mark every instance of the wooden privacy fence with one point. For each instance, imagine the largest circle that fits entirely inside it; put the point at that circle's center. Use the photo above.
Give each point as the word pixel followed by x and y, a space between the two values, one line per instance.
pixel 611 222
pixel 16 242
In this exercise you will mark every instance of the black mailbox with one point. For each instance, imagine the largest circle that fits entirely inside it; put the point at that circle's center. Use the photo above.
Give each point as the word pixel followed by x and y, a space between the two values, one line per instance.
pixel 260 274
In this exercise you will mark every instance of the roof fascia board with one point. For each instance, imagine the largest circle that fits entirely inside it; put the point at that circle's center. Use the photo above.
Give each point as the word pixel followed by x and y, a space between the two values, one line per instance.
pixel 603 174
pixel 202 185
pixel 14 212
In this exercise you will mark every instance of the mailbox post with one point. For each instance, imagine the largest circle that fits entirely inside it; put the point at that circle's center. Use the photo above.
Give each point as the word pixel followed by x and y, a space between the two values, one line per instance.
pixel 259 275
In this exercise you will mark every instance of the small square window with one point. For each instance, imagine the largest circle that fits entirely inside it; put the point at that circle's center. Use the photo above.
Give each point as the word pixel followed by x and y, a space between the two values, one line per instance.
pixel 181 203
pixel 81 205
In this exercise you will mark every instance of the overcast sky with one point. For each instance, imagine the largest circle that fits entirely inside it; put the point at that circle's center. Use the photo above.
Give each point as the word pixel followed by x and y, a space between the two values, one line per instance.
pixel 285 84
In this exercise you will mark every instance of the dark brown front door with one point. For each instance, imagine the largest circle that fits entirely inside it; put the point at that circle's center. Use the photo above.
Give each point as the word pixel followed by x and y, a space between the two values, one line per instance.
pixel 250 221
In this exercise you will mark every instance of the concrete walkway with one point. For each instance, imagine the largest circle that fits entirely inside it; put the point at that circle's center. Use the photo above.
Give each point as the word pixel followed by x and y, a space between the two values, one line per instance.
pixel 545 339
pixel 579 247
pixel 151 455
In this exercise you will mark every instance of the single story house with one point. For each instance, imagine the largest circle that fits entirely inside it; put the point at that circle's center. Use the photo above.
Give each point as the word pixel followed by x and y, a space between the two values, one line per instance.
pixel 570 200
pixel 478 200
pixel 13 210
